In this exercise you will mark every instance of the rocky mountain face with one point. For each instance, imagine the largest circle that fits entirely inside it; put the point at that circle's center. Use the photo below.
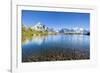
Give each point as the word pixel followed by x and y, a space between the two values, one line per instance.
pixel 39 27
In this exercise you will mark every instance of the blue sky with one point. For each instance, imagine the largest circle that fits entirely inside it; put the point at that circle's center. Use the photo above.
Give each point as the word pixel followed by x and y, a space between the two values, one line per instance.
pixel 56 20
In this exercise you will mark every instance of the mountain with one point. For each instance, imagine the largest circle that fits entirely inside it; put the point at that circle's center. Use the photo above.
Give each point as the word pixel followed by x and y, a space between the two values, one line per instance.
pixel 39 27
pixel 64 30
pixel 74 31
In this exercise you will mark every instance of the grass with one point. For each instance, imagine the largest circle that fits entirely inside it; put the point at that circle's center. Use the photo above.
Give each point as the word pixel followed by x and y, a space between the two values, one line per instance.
pixel 28 33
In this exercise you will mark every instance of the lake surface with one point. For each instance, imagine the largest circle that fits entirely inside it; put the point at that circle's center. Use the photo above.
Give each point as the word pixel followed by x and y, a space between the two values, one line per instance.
pixel 56 47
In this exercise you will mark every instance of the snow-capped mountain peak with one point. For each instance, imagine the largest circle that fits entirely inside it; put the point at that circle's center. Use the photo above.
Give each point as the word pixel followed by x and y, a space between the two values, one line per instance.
pixel 39 27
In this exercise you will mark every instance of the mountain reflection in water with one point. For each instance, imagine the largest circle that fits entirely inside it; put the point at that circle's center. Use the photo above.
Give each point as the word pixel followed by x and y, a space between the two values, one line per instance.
pixel 56 47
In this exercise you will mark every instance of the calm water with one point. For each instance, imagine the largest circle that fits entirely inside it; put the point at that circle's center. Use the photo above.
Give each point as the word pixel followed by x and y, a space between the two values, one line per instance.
pixel 56 47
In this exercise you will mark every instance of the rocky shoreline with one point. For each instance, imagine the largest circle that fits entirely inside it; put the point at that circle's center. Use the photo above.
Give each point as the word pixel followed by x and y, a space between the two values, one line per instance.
pixel 53 56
